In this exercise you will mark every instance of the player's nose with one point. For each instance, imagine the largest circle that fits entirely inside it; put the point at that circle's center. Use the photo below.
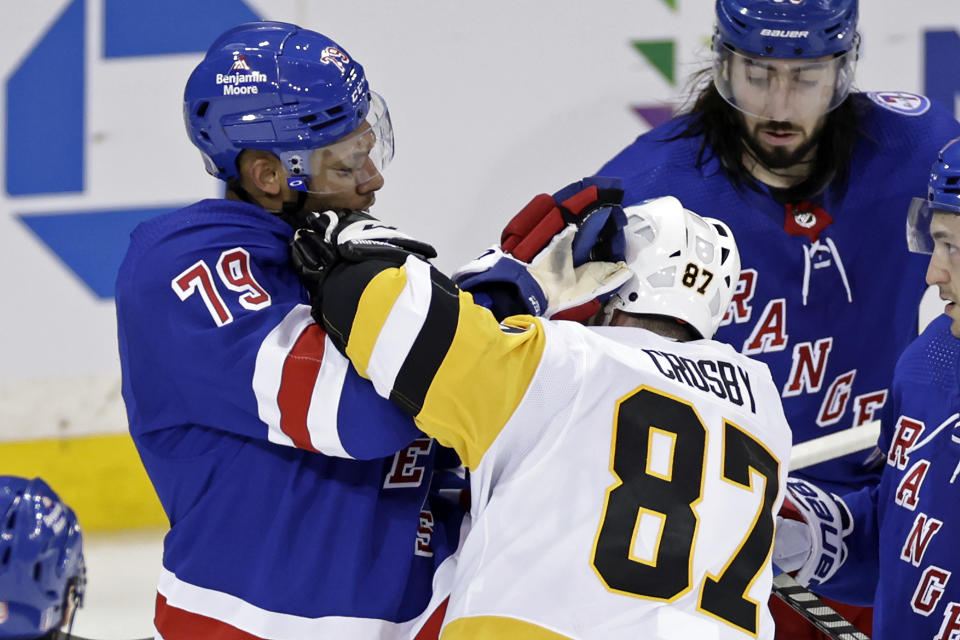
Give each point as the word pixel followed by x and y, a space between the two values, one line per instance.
pixel 374 183
pixel 936 274
pixel 780 105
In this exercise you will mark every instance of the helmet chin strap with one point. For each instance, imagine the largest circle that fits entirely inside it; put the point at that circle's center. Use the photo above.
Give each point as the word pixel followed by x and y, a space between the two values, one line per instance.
pixel 293 212
pixel 290 212
pixel 606 312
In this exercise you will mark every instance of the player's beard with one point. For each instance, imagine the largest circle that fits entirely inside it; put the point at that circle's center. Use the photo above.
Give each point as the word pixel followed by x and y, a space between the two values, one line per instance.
pixel 780 158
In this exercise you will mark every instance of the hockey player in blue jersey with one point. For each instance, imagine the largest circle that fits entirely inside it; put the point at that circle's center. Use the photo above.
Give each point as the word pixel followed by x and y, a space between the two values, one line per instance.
pixel 42 572
pixel 299 502
pixel 43 575
pixel 903 540
pixel 777 145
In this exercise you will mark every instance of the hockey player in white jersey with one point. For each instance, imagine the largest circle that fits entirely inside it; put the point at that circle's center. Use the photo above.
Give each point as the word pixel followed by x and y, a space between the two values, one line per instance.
pixel 624 477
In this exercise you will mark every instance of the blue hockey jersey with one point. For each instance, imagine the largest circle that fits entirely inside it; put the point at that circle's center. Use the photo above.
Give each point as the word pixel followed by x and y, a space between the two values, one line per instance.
pixel 297 498
pixel 828 293
pixel 904 541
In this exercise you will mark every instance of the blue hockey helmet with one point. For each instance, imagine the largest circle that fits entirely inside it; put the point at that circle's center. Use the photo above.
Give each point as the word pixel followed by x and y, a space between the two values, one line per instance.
pixel 788 28
pixel 41 558
pixel 276 87
pixel 943 196
pixel 804 49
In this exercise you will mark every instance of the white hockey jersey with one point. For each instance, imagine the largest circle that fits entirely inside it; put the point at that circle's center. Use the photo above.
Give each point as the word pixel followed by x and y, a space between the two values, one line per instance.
pixel 623 485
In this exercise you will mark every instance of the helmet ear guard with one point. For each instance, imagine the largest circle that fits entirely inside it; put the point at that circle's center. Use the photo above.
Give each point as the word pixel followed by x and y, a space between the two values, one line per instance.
pixel 684 266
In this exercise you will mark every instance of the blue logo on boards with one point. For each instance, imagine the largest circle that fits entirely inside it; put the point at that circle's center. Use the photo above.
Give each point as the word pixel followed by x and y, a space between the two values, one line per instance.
pixel 47 129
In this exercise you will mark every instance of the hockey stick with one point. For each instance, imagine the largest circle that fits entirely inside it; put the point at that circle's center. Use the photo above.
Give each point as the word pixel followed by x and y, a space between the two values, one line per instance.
pixel 816 611
pixel 834 445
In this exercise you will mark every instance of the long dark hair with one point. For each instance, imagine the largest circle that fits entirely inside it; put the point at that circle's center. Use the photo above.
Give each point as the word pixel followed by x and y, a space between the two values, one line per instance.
pixel 723 132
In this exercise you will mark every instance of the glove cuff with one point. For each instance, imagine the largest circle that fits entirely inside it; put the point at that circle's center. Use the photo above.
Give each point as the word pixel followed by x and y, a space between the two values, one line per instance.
pixel 829 521
pixel 506 274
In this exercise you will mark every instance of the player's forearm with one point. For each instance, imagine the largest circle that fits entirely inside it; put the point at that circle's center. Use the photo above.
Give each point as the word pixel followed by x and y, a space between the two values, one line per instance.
pixel 428 348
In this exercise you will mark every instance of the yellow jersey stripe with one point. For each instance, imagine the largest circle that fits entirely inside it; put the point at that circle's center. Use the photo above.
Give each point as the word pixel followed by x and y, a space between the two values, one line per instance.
pixel 497 627
pixel 402 327
pixel 372 311
pixel 427 352
pixel 482 379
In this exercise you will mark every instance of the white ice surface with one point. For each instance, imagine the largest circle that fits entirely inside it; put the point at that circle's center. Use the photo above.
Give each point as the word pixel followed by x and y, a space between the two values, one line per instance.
pixel 122 571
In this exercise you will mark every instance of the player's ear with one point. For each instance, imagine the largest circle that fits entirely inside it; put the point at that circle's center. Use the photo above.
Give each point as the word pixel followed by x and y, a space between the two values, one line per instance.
pixel 264 172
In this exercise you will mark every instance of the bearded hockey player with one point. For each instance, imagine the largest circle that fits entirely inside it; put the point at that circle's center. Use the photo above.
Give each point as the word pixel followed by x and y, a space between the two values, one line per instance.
pixel 778 147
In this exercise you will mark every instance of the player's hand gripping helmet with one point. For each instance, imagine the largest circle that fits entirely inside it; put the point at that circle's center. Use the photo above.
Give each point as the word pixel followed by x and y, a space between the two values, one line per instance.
pixel 41 558
pixel 799 51
pixel 943 196
pixel 684 266
pixel 276 87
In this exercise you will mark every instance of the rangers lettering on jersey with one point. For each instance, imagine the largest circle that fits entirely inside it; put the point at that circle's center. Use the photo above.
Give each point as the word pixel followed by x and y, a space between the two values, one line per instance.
pixel 835 399
pixel 906 435
pixel 866 406
pixel 929 590
pixel 915 546
pixel 405 471
pixel 908 491
pixel 950 629
pixel 770 332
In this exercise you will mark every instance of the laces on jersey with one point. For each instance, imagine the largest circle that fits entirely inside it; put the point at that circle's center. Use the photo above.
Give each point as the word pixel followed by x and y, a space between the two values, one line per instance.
pixel 810 252
pixel 808 219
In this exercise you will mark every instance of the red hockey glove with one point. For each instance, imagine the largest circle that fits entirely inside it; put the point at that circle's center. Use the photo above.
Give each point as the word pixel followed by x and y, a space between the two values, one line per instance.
pixel 559 257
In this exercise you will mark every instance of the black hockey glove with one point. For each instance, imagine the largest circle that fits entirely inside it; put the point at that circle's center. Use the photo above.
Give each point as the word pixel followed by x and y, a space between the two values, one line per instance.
pixel 353 236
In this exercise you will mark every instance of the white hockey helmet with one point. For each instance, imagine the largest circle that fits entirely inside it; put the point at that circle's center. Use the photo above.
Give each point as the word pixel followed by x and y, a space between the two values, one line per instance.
pixel 684 266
